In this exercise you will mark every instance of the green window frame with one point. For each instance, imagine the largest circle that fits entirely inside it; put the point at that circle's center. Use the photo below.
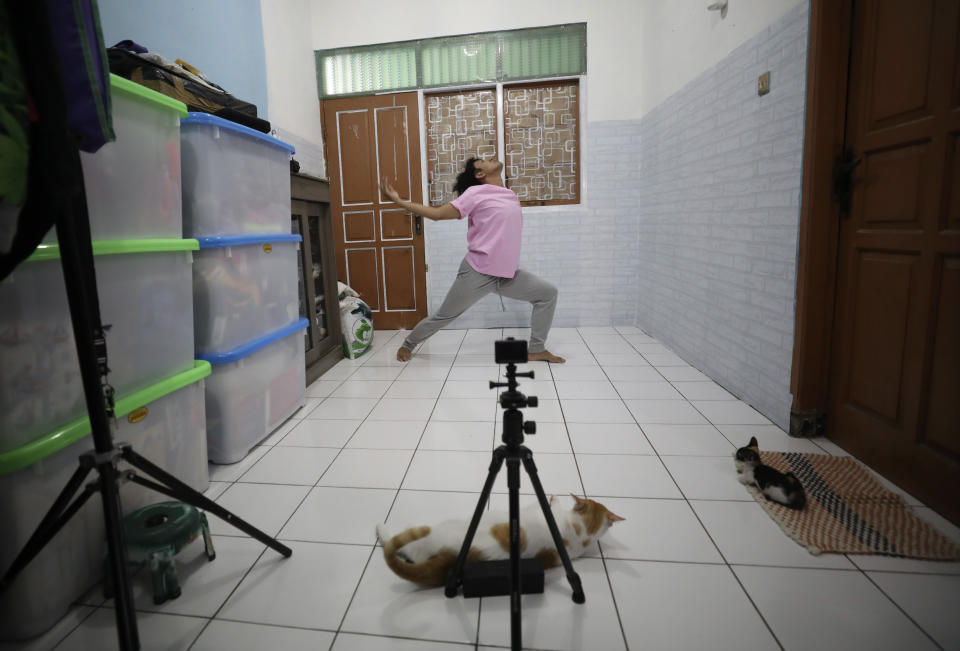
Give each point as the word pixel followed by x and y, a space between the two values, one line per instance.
pixel 487 57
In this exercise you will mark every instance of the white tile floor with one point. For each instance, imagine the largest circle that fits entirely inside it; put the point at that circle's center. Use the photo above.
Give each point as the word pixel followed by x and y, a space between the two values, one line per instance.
pixel 696 565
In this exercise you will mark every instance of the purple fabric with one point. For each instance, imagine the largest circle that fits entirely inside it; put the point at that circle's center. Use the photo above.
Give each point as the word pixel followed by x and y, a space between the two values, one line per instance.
pixel 85 78
pixel 131 46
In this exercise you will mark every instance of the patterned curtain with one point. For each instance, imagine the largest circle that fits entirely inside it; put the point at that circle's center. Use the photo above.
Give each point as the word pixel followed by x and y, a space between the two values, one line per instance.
pixel 459 125
pixel 541 141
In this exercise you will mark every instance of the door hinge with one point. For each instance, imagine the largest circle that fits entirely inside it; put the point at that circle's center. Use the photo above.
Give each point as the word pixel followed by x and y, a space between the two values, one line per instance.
pixel 843 180
pixel 426 268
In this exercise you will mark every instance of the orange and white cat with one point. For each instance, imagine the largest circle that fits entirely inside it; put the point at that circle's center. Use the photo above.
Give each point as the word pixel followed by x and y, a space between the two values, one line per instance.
pixel 425 554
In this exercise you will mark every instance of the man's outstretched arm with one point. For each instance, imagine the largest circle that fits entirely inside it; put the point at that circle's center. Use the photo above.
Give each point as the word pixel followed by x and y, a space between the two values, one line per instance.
pixel 446 211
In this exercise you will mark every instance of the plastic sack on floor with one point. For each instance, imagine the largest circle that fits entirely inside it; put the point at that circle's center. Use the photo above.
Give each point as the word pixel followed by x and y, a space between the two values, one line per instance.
pixel 356 323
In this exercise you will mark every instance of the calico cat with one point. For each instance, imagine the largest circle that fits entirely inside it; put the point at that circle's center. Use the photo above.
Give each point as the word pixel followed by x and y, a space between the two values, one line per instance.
pixel 425 554
pixel 782 488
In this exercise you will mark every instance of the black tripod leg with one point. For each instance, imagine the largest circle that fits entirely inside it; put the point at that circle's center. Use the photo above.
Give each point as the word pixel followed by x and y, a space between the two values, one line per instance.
pixel 76 258
pixel 52 523
pixel 572 576
pixel 456 574
pixel 513 485
pixel 180 491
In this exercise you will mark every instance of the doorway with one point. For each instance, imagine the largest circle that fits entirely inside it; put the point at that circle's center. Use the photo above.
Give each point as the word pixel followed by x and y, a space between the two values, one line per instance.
pixel 877 347
pixel 379 245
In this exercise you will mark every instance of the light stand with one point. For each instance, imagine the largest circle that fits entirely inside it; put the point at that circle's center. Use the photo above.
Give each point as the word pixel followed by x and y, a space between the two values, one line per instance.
pixel 76 255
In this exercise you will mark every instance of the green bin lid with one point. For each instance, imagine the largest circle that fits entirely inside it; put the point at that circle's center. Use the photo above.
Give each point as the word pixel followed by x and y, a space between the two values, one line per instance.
pixel 147 95
pixel 60 438
pixel 113 247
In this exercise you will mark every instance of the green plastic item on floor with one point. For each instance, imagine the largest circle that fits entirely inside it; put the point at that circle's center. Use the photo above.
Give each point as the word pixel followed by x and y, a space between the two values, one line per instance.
pixel 155 534
pixel 29 454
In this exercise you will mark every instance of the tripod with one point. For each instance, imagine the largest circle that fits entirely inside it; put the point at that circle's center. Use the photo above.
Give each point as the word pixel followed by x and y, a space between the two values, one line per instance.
pixel 513 452
pixel 73 233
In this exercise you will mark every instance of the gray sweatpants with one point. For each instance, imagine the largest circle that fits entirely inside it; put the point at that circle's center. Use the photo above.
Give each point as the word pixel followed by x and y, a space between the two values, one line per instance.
pixel 471 285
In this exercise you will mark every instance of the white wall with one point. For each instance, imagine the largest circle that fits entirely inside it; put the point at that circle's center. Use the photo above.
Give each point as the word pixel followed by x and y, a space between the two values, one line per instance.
pixel 291 80
pixel 679 39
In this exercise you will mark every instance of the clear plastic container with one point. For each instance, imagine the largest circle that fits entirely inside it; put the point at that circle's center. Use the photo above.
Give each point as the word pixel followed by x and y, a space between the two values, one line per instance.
pixel 165 423
pixel 133 184
pixel 252 390
pixel 236 181
pixel 146 296
pixel 243 288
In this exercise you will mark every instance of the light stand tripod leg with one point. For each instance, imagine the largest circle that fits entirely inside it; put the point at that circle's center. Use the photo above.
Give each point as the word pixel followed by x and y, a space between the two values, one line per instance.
pixel 572 577
pixel 178 490
pixel 76 258
pixel 513 485
pixel 456 574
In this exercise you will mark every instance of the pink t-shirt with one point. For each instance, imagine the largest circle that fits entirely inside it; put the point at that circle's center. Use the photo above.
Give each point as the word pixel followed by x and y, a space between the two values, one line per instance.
pixel 493 230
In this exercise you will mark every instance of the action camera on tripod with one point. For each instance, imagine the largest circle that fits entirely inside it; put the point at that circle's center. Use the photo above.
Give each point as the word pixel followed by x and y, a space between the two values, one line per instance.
pixel 517 575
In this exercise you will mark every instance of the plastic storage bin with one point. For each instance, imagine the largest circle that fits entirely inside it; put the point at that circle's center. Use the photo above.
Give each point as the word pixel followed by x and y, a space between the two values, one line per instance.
pixel 252 390
pixel 146 295
pixel 236 180
pixel 243 287
pixel 165 423
pixel 133 183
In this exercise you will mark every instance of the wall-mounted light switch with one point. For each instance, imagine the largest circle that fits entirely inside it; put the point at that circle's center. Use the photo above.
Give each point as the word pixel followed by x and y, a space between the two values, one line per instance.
pixel 763 83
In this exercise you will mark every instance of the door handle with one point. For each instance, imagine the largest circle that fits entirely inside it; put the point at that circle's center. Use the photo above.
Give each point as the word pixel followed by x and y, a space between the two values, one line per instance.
pixel 844 180
pixel 418 224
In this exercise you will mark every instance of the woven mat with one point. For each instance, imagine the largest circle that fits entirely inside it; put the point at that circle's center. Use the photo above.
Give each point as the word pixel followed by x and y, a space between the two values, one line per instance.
pixel 849 512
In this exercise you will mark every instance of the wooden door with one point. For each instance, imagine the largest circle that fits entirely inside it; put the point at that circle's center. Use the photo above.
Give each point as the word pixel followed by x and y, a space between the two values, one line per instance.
pixel 895 383
pixel 379 245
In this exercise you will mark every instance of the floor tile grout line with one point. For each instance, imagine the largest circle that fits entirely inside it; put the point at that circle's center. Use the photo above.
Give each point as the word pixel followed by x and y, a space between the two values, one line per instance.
pixel 297 508
pixel 924 631
pixel 606 571
pixel 697 516
pixel 93 610
pixel 390 510
pixel 898 606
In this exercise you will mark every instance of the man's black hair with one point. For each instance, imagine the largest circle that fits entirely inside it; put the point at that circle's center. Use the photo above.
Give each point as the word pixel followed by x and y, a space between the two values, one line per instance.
pixel 468 177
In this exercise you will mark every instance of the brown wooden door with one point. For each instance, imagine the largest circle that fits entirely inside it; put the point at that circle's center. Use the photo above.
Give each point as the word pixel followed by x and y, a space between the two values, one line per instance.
pixel 379 246
pixel 895 385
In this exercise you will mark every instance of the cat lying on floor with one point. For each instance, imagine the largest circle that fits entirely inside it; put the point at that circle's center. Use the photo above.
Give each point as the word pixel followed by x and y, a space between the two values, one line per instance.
pixel 781 488
pixel 425 554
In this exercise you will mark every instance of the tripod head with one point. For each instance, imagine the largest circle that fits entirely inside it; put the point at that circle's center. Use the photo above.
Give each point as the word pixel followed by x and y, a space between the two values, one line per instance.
pixel 511 352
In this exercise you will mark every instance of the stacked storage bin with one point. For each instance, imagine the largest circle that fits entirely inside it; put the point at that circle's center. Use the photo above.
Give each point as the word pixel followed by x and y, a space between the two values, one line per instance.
pixel 236 202
pixel 144 280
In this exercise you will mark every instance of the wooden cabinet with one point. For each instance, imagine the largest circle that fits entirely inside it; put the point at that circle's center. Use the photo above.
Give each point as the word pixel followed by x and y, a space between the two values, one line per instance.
pixel 310 208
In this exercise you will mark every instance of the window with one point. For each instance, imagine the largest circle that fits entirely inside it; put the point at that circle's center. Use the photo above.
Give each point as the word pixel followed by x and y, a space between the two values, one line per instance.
pixel 459 125
pixel 540 139
pixel 541 142
pixel 472 59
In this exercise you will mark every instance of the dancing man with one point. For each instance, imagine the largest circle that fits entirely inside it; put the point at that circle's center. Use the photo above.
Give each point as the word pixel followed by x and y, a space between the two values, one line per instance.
pixel 493 257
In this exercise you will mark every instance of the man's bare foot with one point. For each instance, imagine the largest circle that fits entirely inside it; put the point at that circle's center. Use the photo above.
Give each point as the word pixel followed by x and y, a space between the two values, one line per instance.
pixel 545 356
pixel 404 354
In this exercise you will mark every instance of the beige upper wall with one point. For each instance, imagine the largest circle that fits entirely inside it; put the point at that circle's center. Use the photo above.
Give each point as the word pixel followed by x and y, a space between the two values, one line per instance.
pixel 292 100
pixel 681 39
pixel 639 52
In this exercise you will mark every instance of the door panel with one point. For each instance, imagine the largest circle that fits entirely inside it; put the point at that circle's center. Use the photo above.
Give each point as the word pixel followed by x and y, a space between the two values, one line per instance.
pixel 363 274
pixel 393 150
pixel 353 144
pixel 379 247
pixel 895 377
pixel 943 409
pixel 399 277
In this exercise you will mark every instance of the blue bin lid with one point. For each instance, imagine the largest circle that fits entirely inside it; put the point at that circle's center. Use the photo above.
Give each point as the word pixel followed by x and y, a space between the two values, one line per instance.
pixel 213 120
pixel 251 347
pixel 221 241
